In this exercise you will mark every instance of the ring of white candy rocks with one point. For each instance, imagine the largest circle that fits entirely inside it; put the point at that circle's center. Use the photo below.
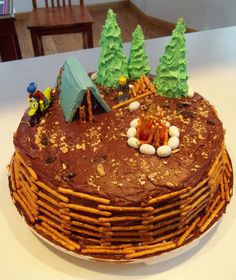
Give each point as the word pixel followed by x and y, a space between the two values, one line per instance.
pixel 148 149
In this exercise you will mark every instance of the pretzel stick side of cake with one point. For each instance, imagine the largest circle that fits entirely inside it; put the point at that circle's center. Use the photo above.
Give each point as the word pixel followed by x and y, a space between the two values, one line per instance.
pixel 158 222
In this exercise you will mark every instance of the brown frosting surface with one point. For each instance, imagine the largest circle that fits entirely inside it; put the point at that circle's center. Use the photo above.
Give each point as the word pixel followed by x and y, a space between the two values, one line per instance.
pixel 96 159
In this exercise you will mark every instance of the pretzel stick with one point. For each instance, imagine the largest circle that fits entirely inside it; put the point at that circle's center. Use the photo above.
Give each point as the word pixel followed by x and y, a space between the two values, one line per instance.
pixel 48 198
pixel 130 233
pixel 227 162
pixel 128 228
pixel 51 191
pixel 165 223
pixel 55 237
pixel 29 169
pixel 87 219
pixel 187 218
pixel 195 215
pixel 168 196
pixel 131 100
pixel 212 217
pixel 54 225
pixel 215 163
pixel 146 247
pixel 49 214
pixel 12 176
pixel 199 200
pixel 86 232
pixel 122 246
pixel 33 211
pixel 86 239
pixel 31 204
pixel 61 236
pixel 28 188
pixel 166 228
pixel 226 185
pixel 16 174
pixel 87 226
pixel 84 195
pixel 196 195
pixel 130 239
pixel 163 208
pixel 150 251
pixel 123 208
pixel 194 189
pixel 208 213
pixel 168 236
pixel 188 232
pixel 222 189
pixel 52 210
pixel 24 206
pixel 86 209
pixel 163 216
pixel 27 177
pixel 119 219
pixel 105 251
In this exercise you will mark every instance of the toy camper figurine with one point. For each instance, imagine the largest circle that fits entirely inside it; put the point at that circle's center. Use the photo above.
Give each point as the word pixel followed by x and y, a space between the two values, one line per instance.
pixel 123 89
pixel 38 102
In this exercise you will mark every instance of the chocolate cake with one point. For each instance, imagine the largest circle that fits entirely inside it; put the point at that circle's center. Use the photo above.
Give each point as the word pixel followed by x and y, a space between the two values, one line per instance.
pixel 80 182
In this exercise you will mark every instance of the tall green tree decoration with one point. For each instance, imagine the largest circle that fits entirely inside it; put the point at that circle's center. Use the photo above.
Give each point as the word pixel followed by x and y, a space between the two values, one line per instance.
pixel 138 63
pixel 171 79
pixel 112 62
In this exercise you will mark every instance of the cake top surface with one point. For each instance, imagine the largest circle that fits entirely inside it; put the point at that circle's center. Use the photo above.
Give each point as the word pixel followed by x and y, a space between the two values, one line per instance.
pixel 97 160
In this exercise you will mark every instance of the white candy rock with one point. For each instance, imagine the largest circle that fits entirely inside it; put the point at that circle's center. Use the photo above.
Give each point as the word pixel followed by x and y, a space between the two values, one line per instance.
pixel 131 132
pixel 164 151
pixel 134 123
pixel 134 106
pixel 174 131
pixel 133 142
pixel 147 149
pixel 94 76
pixel 190 92
pixel 167 124
pixel 173 142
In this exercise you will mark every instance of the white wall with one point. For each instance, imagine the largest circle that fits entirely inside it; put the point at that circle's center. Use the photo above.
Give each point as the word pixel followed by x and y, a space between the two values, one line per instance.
pixel 26 5
pixel 198 14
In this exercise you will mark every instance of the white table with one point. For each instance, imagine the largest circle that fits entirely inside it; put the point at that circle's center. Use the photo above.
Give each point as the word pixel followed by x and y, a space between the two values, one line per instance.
pixel 212 68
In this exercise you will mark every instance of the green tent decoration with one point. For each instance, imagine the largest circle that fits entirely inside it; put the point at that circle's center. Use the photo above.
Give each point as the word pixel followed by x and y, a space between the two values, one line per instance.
pixel 112 62
pixel 74 83
pixel 138 63
pixel 172 76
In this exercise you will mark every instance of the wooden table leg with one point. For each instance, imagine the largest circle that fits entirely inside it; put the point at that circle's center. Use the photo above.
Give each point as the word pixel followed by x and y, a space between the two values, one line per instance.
pixel 90 36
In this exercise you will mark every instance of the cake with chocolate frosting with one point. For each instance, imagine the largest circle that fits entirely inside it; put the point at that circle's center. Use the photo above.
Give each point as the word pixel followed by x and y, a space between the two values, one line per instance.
pixel 121 164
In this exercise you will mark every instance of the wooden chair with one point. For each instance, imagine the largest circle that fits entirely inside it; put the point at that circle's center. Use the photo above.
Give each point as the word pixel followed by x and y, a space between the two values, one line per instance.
pixel 59 17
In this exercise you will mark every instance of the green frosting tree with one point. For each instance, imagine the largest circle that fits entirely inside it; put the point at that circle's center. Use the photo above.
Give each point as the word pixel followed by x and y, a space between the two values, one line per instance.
pixel 171 79
pixel 112 63
pixel 138 64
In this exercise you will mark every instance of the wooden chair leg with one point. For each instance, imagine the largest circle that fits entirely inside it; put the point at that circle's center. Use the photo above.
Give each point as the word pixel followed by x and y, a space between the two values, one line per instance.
pixel 40 42
pixel 90 36
pixel 37 46
pixel 85 42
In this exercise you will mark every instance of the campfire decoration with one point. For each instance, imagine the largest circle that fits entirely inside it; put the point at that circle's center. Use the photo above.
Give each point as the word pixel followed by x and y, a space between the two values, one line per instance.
pixel 151 130
pixel 153 134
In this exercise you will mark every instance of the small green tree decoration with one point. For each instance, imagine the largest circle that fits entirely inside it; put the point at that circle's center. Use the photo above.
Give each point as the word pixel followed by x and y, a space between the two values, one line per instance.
pixel 112 62
pixel 171 79
pixel 138 63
